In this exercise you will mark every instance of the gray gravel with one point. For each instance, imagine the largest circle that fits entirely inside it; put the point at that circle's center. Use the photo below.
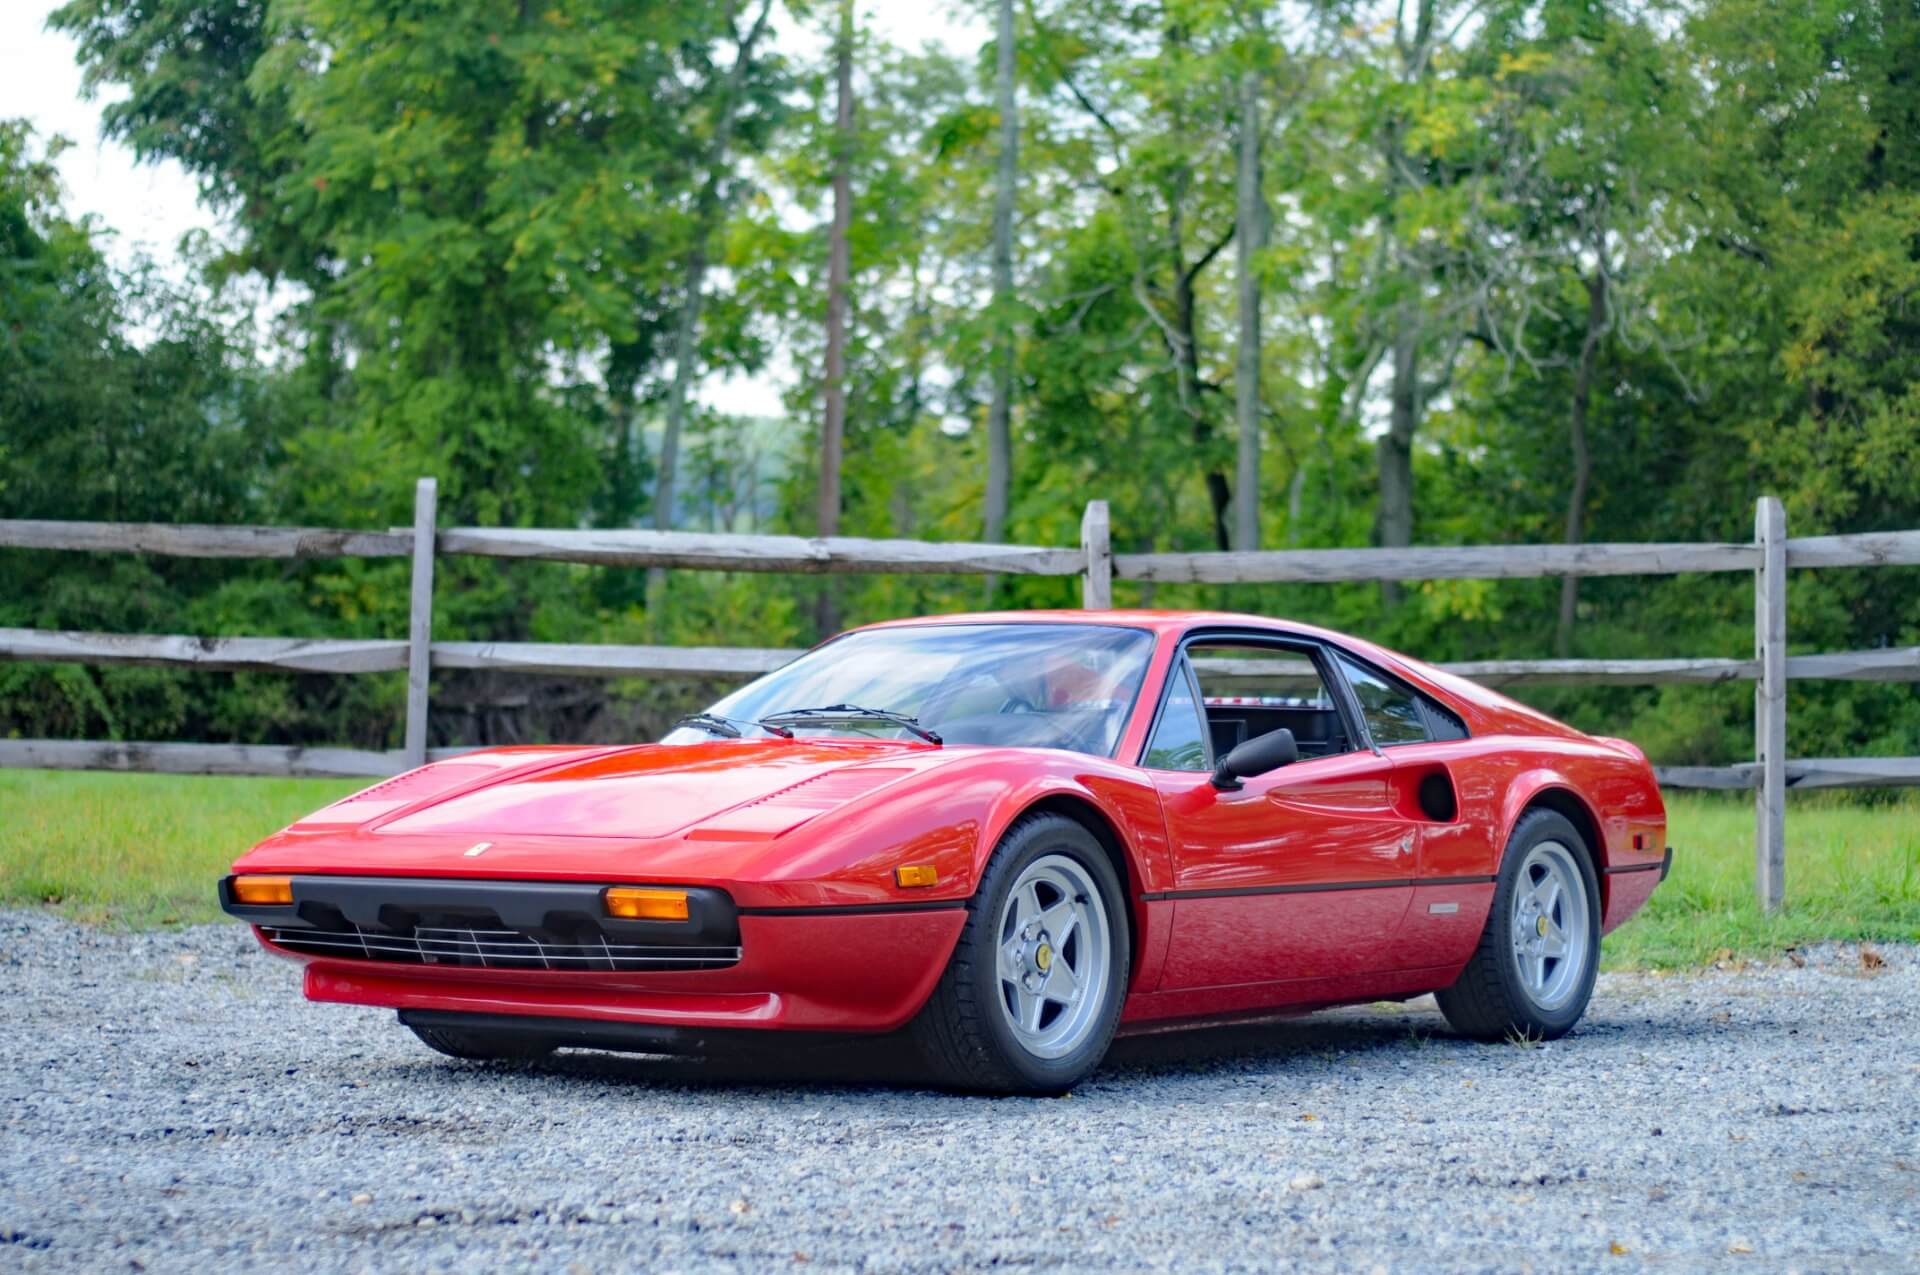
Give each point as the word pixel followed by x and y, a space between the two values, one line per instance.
pixel 170 1103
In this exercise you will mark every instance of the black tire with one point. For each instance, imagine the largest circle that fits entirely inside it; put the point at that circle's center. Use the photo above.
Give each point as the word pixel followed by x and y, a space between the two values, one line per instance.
pixel 962 1033
pixel 480 1046
pixel 1491 1000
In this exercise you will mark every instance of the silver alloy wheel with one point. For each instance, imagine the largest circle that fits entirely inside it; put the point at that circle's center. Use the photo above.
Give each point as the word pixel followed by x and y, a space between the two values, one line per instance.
pixel 1054 952
pixel 1550 923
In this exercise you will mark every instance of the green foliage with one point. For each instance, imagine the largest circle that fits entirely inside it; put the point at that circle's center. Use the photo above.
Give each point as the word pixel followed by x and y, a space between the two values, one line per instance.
pixel 483 216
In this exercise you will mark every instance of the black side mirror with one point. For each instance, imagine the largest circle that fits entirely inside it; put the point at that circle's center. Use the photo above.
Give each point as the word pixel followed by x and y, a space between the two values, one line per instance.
pixel 1256 756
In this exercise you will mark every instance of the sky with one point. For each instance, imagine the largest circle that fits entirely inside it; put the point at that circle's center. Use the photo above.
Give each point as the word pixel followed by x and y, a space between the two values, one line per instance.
pixel 149 207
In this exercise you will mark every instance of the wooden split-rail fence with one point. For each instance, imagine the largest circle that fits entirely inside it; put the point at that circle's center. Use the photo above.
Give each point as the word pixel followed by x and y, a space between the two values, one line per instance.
pixel 1769 556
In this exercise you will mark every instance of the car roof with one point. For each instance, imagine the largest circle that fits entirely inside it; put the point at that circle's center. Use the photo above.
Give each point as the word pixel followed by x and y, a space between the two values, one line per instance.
pixel 1135 617
pixel 1488 709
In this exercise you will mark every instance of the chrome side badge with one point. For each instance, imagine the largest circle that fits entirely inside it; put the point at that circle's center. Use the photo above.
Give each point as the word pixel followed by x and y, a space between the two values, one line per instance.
pixel 479 849
pixel 1433 909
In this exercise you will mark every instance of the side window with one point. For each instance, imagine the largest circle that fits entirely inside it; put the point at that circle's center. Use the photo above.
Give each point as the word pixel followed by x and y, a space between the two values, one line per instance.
pixel 1445 722
pixel 1178 741
pixel 1248 690
pixel 1392 713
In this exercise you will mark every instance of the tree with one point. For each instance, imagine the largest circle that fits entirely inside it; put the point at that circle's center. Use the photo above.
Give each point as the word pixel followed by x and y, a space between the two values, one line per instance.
pixel 709 204
pixel 1417 94
pixel 1006 178
pixel 833 419
pixel 1597 163
pixel 1250 228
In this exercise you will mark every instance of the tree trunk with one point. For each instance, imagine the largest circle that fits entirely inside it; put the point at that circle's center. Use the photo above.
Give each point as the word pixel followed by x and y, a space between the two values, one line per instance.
pixel 1393 518
pixel 1582 456
pixel 1250 214
pixel 1186 355
pixel 1000 414
pixel 685 336
pixel 839 267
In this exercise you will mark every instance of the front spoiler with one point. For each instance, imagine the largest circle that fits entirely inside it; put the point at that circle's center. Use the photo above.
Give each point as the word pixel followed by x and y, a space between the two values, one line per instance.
pixel 826 970
pixel 622 1038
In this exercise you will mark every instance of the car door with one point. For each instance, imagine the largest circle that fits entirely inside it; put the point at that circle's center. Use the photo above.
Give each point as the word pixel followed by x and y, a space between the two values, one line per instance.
pixel 1304 872
pixel 1428 742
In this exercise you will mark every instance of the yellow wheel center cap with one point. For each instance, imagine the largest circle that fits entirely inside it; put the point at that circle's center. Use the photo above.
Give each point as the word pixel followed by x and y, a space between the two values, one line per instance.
pixel 1043 958
pixel 1540 924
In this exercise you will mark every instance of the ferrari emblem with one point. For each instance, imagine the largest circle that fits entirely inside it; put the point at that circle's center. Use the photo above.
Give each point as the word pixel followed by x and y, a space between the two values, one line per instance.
pixel 479 849
pixel 1043 957
pixel 1539 923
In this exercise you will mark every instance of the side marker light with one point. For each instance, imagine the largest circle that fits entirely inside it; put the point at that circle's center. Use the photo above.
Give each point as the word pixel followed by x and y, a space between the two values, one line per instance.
pixel 916 876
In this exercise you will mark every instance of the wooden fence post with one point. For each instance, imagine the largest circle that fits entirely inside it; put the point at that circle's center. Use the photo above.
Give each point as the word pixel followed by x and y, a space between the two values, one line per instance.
pixel 420 621
pixel 1096 587
pixel 1770 703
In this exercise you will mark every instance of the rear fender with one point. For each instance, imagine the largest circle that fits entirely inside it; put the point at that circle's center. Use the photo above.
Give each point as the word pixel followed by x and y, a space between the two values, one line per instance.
pixel 1549 787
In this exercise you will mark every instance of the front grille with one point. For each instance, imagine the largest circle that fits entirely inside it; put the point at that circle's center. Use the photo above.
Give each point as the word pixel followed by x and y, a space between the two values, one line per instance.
pixel 497 949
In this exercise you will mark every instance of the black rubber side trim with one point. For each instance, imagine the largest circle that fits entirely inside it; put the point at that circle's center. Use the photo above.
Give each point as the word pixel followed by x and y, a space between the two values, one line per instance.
pixel 859 909
pixel 1316 887
pixel 1666 863
pixel 1660 867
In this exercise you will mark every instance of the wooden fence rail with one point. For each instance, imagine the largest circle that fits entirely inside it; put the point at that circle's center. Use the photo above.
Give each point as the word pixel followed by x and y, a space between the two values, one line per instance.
pixel 187 540
pixel 320 655
pixel 1769 557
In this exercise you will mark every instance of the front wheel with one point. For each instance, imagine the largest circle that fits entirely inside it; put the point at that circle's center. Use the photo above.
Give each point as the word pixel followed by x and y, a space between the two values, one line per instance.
pixel 1031 998
pixel 1533 972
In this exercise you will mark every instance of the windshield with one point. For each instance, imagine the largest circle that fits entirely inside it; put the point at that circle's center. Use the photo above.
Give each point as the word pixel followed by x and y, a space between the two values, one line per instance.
pixel 1015 685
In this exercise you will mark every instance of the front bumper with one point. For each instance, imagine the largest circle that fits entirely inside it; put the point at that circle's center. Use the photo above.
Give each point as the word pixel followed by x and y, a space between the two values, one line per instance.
pixel 823 969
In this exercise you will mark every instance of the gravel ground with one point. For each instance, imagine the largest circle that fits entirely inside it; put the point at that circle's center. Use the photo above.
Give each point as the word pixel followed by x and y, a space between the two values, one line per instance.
pixel 170 1103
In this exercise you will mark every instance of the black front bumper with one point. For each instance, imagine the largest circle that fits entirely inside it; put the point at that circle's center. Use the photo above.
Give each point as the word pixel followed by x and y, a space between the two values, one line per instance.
pixel 516 925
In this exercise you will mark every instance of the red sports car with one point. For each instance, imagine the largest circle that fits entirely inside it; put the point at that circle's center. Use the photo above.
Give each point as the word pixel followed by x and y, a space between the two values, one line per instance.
pixel 1010 836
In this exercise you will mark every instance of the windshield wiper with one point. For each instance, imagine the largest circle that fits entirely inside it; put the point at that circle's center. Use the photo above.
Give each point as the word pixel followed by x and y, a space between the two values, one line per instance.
pixel 729 727
pixel 850 711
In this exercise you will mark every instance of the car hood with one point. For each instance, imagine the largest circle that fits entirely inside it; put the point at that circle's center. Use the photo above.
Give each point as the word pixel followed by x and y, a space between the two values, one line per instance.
pixel 763 787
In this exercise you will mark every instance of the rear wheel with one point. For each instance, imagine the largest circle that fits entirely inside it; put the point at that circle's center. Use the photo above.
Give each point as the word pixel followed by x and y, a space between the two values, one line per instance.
pixel 1031 998
pixel 1533 972
pixel 482 1046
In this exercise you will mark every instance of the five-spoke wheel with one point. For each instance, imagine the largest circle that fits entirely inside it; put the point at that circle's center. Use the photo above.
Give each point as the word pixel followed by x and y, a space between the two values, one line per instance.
pixel 1549 927
pixel 1533 971
pixel 1032 995
pixel 1054 952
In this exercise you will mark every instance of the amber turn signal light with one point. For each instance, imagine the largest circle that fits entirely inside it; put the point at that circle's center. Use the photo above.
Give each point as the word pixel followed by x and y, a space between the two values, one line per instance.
pixel 263 891
pixel 916 875
pixel 634 904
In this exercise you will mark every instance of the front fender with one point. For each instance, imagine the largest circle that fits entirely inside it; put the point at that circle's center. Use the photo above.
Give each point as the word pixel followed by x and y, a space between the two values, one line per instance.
pixel 949 816
pixel 1128 804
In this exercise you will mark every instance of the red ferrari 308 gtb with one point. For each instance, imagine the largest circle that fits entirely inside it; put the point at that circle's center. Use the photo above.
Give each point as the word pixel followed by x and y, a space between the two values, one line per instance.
pixel 1010 835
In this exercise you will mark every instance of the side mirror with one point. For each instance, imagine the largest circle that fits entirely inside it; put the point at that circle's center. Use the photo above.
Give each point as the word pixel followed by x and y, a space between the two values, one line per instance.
pixel 1256 756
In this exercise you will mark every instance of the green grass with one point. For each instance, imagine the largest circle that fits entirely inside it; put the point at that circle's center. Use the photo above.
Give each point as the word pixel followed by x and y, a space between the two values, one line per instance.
pixel 1853 872
pixel 138 850
pixel 141 850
